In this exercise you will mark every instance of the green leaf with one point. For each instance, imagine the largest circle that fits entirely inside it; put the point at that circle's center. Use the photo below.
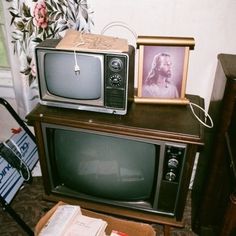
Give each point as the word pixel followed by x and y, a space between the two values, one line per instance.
pixel 65 27
pixel 49 8
pixel 26 10
pixel 62 2
pixel 37 40
pixel 20 26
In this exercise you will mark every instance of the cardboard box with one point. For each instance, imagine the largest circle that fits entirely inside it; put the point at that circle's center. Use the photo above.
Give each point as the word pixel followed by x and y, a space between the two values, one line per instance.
pixel 129 227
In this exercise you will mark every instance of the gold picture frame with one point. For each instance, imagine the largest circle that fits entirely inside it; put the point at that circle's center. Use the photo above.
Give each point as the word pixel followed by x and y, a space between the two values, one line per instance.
pixel 162 69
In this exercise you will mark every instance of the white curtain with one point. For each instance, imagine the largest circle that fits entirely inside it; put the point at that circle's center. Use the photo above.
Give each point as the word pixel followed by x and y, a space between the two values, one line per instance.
pixel 30 22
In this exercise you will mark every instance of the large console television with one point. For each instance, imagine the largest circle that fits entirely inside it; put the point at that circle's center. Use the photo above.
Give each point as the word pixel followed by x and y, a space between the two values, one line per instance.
pixel 138 165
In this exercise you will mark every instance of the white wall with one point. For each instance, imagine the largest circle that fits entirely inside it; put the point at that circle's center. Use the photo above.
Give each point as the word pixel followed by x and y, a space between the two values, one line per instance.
pixel 212 24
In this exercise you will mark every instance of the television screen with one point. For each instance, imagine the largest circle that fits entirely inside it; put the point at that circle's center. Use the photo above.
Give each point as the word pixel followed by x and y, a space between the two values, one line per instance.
pixel 86 83
pixel 109 167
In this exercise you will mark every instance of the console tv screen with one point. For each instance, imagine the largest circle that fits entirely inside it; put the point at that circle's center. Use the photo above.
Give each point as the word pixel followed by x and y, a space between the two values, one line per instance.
pixel 112 169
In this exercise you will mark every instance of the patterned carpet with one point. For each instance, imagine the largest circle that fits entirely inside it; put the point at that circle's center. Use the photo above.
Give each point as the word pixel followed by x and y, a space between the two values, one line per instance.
pixel 29 204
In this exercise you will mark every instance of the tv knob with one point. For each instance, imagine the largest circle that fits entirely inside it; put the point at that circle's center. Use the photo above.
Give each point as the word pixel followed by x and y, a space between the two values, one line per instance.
pixel 115 64
pixel 115 80
pixel 170 176
pixel 173 163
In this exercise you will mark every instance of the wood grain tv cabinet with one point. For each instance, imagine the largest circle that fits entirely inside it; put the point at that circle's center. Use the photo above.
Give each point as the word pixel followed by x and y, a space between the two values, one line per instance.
pixel 172 123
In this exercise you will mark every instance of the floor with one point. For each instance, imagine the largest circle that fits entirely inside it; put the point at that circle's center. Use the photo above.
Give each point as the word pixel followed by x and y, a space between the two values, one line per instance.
pixel 29 204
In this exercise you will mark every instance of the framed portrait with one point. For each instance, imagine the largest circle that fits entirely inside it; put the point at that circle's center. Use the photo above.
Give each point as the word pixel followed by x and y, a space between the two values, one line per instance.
pixel 162 69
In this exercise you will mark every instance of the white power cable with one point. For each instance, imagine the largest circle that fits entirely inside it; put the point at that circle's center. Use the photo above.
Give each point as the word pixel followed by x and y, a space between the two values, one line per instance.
pixel 121 24
pixel 207 116
pixel 76 67
pixel 124 25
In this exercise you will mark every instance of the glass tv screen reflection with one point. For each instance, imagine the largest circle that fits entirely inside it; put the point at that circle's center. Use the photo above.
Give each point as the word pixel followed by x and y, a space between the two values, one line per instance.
pixel 113 169
pixel 87 83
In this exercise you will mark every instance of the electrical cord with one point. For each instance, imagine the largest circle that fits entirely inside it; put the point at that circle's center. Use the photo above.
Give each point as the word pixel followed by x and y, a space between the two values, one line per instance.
pixel 108 26
pixel 207 116
pixel 121 24
pixel 76 67
pixel 192 105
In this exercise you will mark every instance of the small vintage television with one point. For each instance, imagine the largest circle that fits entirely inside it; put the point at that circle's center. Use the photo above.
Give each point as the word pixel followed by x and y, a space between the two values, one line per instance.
pixel 103 83
pixel 112 169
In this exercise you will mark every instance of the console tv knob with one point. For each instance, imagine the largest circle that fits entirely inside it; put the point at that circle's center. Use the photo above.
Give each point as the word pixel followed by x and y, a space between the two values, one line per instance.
pixel 170 176
pixel 173 163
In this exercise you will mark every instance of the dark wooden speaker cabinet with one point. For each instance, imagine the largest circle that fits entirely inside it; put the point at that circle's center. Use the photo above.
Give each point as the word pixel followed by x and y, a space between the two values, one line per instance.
pixel 213 195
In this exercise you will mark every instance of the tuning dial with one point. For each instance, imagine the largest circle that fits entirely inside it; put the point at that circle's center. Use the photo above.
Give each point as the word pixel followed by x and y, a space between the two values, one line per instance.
pixel 170 176
pixel 173 163
pixel 115 64
pixel 115 80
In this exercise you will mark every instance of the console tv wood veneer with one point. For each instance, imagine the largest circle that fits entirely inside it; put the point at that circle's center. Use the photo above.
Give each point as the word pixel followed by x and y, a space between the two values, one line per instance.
pixel 162 122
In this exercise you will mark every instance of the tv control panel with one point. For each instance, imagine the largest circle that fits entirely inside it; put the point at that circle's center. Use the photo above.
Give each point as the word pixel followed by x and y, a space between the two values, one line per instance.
pixel 116 81
pixel 172 172
pixel 174 156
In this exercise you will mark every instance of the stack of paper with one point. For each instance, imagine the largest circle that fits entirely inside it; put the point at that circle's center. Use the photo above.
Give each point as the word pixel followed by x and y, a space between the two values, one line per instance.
pixel 68 220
